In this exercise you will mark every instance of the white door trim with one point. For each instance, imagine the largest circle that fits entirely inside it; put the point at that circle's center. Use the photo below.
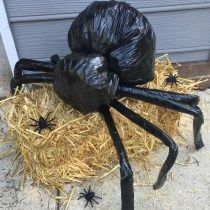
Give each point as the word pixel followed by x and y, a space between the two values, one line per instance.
pixel 7 37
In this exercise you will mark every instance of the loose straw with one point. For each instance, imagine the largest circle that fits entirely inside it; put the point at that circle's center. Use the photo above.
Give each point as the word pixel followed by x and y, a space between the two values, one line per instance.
pixel 76 149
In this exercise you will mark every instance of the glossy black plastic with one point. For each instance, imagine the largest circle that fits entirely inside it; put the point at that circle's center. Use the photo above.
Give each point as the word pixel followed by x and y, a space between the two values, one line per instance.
pixel 126 174
pixel 85 82
pixel 121 34
pixel 155 131
pixel 175 101
pixel 113 48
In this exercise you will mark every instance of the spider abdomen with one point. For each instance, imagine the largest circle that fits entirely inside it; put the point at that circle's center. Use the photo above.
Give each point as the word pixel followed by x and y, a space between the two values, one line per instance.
pixel 121 34
pixel 85 82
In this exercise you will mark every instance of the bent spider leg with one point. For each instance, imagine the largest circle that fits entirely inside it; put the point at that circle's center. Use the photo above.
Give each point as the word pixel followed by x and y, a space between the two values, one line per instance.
pixel 33 125
pixel 55 59
pixel 80 197
pixel 159 100
pixel 36 129
pixel 166 83
pixel 48 121
pixel 127 193
pixel 87 203
pixel 94 200
pixel 97 197
pixel 49 128
pixel 188 99
pixel 50 124
pixel 155 131
pixel 89 189
pixel 34 120
pixel 31 65
pixel 91 203
pixel 51 120
pixel 47 115
pixel 29 78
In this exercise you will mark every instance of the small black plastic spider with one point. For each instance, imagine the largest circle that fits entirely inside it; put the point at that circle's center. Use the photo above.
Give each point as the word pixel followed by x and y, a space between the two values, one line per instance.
pixel 89 196
pixel 43 123
pixel 171 79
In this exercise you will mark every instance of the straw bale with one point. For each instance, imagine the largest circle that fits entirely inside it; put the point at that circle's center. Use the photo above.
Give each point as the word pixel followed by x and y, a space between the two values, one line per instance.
pixel 76 149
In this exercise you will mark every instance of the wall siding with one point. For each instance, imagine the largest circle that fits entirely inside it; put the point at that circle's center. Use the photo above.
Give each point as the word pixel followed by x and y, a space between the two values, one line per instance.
pixel 17 8
pixel 40 27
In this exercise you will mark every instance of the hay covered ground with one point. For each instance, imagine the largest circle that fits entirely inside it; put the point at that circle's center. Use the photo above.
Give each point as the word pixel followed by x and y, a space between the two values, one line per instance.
pixel 80 147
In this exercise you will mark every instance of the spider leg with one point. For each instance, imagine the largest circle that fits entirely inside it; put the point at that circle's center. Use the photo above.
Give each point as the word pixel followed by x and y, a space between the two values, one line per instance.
pixel 97 197
pixel 51 120
pixel 50 124
pixel 40 130
pixel 85 191
pixel 47 116
pixel 34 120
pixel 166 83
pixel 158 99
pixel 30 78
pixel 36 129
pixel 55 59
pixel 86 203
pixel 31 65
pixel 82 193
pixel 189 99
pixel 80 197
pixel 95 200
pixel 49 128
pixel 33 125
pixel 91 203
pixel 127 194
pixel 155 131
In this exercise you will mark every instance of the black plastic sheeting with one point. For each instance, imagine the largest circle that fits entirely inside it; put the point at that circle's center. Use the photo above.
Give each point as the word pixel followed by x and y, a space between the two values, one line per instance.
pixel 121 34
pixel 84 81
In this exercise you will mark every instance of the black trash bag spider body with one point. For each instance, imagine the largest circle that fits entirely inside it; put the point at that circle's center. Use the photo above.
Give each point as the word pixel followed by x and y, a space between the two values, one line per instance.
pixel 113 50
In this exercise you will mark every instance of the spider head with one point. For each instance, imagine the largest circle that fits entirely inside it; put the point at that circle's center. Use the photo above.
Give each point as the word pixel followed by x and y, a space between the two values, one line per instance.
pixel 90 195
pixel 85 82
pixel 42 123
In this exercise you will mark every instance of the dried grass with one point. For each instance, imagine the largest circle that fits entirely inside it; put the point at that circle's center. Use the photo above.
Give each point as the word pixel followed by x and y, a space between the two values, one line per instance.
pixel 80 146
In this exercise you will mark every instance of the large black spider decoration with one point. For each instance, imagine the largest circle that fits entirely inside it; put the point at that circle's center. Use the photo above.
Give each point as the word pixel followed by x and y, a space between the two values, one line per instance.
pixel 171 79
pixel 43 123
pixel 89 196
pixel 113 50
